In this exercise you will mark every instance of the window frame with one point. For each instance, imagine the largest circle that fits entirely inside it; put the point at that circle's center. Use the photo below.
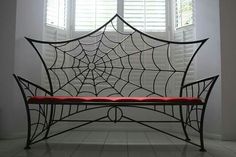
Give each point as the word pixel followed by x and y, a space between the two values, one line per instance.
pixel 175 16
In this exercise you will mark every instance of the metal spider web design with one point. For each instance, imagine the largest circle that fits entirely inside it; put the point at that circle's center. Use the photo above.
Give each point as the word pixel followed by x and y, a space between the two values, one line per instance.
pixel 110 62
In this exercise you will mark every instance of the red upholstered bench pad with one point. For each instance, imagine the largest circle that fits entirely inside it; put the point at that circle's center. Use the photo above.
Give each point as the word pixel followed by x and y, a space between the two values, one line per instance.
pixel 79 99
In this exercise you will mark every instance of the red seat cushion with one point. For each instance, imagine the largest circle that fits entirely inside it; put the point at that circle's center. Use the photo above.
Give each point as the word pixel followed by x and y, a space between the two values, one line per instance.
pixel 79 99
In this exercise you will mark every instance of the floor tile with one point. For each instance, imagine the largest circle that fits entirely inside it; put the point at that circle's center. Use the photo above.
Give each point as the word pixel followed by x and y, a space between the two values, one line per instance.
pixel 136 138
pixel 157 138
pixel 116 144
pixel 108 153
pixel 116 138
pixel 88 150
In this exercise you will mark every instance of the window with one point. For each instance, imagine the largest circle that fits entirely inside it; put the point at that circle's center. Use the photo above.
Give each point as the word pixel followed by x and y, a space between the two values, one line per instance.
pixel 146 15
pixel 184 13
pixel 66 19
pixel 56 13
pixel 87 15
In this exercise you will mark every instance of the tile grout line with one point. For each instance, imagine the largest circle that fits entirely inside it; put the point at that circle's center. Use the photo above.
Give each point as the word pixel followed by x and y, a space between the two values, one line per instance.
pixel 225 147
pixel 127 143
pixel 102 149
pixel 77 148
pixel 172 142
pixel 149 142
pixel 229 149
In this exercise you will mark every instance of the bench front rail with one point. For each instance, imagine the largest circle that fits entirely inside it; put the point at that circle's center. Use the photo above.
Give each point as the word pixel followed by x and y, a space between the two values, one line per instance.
pixel 108 76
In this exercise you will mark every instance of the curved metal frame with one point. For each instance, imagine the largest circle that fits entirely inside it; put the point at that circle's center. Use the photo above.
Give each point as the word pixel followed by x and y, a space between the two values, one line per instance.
pixel 57 45
pixel 101 66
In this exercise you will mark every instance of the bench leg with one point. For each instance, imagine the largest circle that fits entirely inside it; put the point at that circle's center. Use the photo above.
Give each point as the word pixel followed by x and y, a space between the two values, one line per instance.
pixel 202 149
pixel 27 147
pixel 201 131
pixel 38 127
pixel 183 124
pixel 29 128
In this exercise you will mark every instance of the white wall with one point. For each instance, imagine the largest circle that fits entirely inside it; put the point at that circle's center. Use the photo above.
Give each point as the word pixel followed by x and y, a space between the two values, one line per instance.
pixel 218 57
pixel 208 60
pixel 29 22
pixel 7 45
pixel 26 20
pixel 228 61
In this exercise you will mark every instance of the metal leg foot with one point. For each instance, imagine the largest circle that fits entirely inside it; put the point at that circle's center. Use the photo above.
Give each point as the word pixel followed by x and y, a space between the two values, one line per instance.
pixel 202 150
pixel 27 147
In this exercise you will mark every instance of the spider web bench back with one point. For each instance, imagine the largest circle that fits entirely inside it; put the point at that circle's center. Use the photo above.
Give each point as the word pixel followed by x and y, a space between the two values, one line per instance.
pixel 112 62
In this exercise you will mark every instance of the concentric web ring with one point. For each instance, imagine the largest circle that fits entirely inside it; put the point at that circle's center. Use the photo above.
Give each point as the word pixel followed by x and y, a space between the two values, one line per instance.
pixel 115 63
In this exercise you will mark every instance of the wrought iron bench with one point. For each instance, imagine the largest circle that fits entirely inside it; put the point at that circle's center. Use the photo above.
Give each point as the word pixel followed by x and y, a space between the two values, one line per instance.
pixel 109 74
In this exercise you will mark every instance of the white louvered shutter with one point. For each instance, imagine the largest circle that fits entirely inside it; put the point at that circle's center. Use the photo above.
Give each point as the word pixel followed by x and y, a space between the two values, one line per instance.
pixel 183 53
pixel 91 14
pixel 54 30
pixel 184 31
pixel 146 15
pixel 52 34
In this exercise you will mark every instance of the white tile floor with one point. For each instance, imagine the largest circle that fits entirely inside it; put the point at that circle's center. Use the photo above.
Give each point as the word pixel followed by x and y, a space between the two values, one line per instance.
pixel 115 144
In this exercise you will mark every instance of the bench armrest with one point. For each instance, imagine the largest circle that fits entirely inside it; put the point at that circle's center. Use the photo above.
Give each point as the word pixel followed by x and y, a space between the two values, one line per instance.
pixel 29 89
pixel 200 89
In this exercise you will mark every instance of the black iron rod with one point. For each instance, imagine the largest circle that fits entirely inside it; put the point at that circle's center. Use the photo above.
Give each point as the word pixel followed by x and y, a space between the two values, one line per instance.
pixel 132 120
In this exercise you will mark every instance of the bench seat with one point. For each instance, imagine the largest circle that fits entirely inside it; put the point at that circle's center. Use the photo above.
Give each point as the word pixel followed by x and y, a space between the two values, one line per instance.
pixel 92 99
